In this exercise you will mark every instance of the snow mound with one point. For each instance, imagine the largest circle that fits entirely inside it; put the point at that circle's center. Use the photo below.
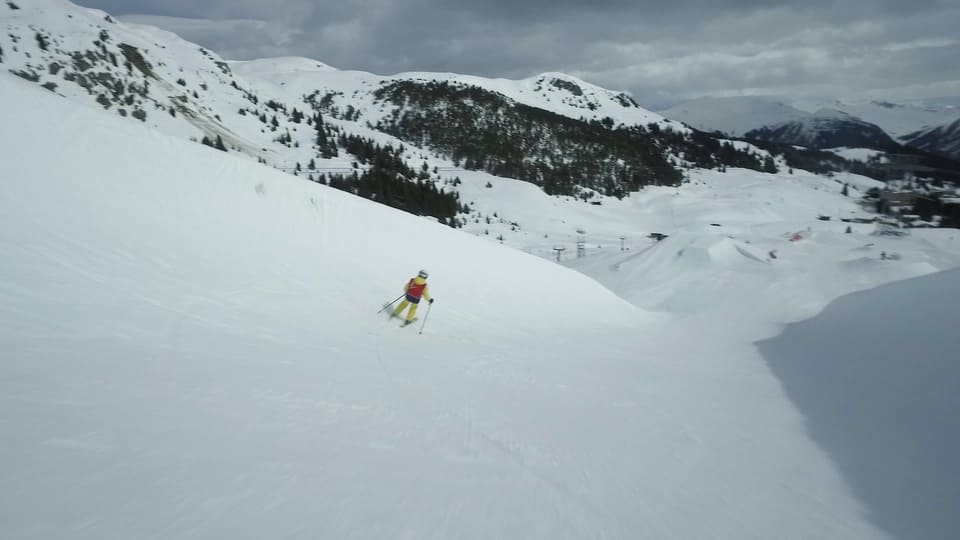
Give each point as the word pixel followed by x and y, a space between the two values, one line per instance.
pixel 700 267
pixel 711 253
pixel 284 64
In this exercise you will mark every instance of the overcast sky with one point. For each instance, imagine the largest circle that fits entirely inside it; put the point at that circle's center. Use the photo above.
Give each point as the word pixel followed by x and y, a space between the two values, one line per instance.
pixel 660 51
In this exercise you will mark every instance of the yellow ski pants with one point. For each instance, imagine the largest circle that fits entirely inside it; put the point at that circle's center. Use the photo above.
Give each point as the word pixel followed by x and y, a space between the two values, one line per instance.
pixel 403 305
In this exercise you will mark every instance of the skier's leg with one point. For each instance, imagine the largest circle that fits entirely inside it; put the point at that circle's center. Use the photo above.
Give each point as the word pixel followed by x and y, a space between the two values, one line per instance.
pixel 412 313
pixel 400 308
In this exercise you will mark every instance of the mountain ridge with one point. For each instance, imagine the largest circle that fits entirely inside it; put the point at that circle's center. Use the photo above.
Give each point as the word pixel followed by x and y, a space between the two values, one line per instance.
pixel 399 139
pixel 827 128
pixel 274 111
pixel 943 140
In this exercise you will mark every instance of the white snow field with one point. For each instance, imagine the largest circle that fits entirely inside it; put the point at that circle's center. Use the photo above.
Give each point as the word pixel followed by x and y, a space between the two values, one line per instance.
pixel 189 348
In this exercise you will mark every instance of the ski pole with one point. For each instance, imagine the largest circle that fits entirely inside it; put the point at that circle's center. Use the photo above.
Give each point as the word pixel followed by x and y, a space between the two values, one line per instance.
pixel 427 314
pixel 391 303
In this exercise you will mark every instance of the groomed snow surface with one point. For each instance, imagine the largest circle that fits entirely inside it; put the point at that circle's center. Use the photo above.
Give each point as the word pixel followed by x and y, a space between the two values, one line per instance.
pixel 189 347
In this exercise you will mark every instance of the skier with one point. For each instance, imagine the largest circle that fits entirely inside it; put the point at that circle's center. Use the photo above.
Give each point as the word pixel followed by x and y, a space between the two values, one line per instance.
pixel 415 289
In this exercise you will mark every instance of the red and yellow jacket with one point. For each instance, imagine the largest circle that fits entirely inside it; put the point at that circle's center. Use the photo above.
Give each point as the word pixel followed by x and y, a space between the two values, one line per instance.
pixel 416 289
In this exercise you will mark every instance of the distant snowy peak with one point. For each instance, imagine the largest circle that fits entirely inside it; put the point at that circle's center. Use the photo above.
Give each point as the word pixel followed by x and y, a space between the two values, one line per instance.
pixel 577 93
pixel 943 140
pixel 898 119
pixel 738 115
pixel 570 96
pixel 734 115
pixel 826 129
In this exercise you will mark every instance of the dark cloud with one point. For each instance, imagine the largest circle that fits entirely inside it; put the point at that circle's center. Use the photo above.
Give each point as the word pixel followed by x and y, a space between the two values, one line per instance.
pixel 659 51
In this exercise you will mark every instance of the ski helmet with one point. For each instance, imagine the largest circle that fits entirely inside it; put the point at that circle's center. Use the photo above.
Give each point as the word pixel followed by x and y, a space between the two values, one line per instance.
pixel 423 274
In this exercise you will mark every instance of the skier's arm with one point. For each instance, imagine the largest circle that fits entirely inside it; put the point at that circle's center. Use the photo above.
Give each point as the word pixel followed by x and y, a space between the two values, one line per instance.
pixel 426 293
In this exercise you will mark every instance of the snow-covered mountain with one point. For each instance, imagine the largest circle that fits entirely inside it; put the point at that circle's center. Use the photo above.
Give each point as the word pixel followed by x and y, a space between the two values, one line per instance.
pixel 734 115
pixel 136 72
pixel 943 140
pixel 190 344
pixel 900 118
pixel 826 129
pixel 559 93
pixel 842 128
pixel 854 124
pixel 555 131
pixel 183 89
pixel 740 114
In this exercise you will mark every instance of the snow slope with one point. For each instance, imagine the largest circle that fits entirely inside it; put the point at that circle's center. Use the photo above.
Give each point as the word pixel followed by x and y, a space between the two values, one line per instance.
pixel 190 348
pixel 193 338
pixel 188 345
pixel 83 60
pixel 881 396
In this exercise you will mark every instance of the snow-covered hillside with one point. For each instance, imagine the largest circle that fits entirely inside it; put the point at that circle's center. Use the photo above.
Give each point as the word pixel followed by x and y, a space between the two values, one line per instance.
pixel 270 110
pixel 189 347
pixel 943 139
pixel 138 72
pixel 556 92
pixel 890 367
pixel 184 90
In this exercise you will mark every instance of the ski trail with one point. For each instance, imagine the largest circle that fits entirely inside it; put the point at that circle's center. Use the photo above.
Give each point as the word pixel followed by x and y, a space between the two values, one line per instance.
pixel 616 266
pixel 454 434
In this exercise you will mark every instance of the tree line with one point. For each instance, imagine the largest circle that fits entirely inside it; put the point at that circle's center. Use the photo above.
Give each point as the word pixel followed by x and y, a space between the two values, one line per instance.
pixel 387 179
pixel 483 130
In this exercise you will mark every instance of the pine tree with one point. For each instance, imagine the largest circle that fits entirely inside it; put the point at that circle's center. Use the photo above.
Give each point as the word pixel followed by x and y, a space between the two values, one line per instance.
pixel 321 133
pixel 769 166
